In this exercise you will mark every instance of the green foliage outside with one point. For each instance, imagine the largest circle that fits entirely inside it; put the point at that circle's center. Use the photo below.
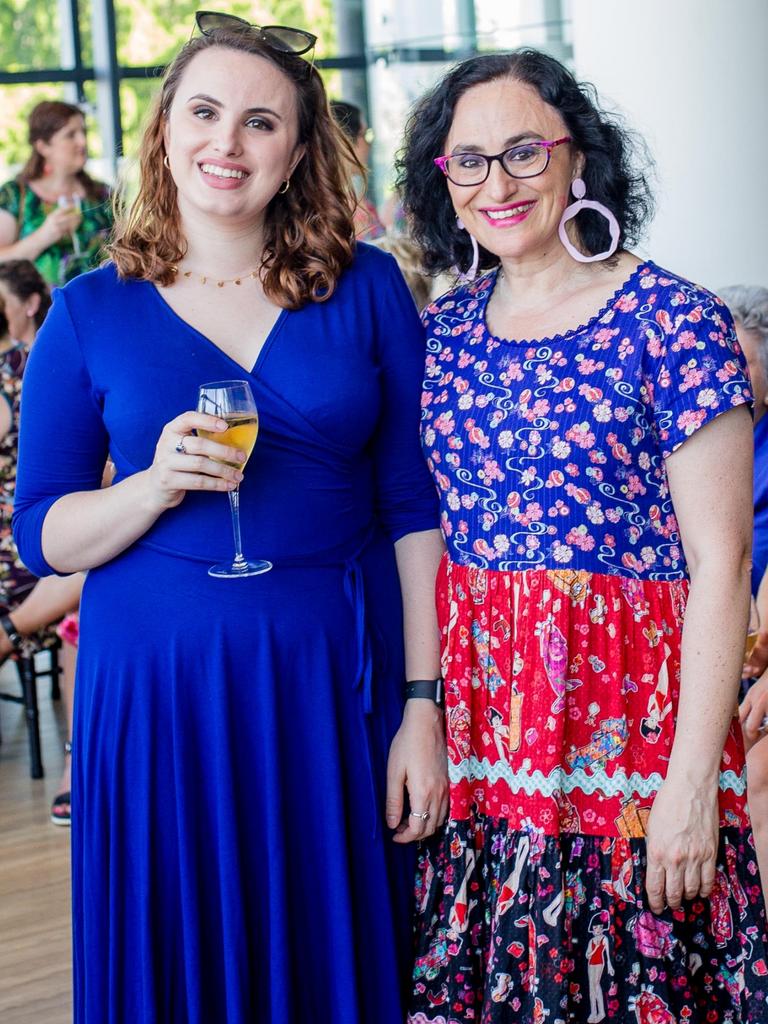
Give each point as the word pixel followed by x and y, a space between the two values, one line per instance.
pixel 149 32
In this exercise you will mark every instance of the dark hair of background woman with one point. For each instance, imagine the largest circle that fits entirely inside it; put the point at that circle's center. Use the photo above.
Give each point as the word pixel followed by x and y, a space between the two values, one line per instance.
pixel 348 117
pixel 609 149
pixel 44 121
pixel 23 280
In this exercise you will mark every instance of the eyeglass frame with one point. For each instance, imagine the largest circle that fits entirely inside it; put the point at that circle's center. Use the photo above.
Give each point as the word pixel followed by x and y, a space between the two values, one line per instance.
pixel 547 144
pixel 262 30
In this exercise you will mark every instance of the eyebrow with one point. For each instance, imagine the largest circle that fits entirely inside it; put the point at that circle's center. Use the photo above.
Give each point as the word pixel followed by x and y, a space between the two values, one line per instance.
pixel 513 140
pixel 217 103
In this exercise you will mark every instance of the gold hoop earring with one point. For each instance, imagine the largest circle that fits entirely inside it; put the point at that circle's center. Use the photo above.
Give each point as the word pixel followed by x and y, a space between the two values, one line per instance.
pixel 284 187
pixel 166 162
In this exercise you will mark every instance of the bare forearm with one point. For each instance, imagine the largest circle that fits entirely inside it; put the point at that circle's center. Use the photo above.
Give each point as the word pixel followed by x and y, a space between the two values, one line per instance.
pixel 27 248
pixel 711 660
pixel 87 528
pixel 418 556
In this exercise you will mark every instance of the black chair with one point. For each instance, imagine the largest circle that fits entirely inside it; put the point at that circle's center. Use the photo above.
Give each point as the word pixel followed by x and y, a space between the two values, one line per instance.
pixel 29 673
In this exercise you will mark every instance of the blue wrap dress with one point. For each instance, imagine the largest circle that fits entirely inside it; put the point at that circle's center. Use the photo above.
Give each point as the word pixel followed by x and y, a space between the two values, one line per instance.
pixel 230 860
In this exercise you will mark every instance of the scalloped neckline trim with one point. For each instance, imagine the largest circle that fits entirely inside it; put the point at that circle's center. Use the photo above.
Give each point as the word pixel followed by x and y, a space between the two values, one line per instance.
pixel 606 308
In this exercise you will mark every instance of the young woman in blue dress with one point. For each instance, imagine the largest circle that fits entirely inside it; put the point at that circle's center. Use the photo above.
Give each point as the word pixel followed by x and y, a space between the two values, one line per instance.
pixel 241 745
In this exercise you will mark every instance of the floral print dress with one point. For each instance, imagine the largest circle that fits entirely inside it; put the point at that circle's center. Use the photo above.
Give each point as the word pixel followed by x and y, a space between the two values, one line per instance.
pixel 561 603
pixel 16 581
pixel 60 262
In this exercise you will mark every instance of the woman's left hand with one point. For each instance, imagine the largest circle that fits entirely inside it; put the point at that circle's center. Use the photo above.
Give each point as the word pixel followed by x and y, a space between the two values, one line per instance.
pixel 418 763
pixel 681 843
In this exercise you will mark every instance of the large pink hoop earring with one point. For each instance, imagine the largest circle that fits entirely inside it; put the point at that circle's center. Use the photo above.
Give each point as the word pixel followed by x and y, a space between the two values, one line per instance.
pixel 471 274
pixel 579 190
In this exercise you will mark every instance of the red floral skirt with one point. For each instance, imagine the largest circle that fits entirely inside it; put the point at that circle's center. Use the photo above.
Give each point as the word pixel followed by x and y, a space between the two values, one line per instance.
pixel 562 692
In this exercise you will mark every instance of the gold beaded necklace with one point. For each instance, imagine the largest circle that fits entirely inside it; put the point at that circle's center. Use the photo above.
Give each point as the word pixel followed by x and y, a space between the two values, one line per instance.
pixel 204 279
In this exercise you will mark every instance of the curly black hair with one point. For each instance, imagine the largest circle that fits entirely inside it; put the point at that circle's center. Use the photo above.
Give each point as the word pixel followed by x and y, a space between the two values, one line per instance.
pixel 610 150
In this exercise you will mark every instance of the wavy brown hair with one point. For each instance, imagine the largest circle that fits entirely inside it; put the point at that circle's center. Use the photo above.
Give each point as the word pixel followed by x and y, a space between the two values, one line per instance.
pixel 309 236
pixel 44 121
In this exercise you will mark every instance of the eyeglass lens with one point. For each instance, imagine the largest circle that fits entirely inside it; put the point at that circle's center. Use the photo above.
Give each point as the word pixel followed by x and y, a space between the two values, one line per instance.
pixel 279 37
pixel 518 162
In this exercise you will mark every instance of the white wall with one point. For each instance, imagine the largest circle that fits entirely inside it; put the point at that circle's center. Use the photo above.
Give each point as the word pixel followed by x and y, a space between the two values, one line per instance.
pixel 692 75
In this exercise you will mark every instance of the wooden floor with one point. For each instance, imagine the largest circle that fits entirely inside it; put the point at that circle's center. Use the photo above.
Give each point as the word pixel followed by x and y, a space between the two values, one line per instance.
pixel 35 947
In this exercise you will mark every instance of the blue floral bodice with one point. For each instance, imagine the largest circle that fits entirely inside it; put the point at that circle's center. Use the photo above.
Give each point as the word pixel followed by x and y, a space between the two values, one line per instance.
pixel 551 453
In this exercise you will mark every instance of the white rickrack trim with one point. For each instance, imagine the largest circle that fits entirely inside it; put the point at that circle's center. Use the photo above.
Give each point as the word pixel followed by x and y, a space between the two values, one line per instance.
pixel 561 781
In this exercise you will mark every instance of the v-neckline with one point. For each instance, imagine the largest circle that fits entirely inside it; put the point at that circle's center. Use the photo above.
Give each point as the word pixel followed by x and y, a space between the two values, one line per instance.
pixel 262 353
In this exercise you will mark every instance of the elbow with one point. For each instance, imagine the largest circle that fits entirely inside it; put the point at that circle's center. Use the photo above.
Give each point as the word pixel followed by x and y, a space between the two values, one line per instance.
pixel 26 537
pixel 731 563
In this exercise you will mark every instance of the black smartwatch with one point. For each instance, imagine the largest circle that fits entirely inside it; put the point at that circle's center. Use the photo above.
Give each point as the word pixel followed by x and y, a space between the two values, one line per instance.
pixel 429 689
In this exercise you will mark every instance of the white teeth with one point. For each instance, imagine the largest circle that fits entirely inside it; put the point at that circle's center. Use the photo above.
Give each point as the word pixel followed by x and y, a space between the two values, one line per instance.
pixel 506 214
pixel 222 172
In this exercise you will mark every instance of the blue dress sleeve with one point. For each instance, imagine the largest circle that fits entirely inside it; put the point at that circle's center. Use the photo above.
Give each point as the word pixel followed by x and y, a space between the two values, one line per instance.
pixel 63 443
pixel 695 368
pixel 406 499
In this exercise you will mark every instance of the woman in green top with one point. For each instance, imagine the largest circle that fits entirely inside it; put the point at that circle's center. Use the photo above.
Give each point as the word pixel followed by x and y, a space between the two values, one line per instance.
pixel 53 212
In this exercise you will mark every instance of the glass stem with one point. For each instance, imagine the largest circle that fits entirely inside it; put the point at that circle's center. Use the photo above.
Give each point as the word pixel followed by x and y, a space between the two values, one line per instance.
pixel 234 507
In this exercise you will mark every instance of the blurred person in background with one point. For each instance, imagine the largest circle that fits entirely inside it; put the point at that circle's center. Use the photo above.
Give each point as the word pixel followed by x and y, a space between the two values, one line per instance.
pixel 352 122
pixel 236 739
pixel 53 212
pixel 749 307
pixel 28 606
pixel 586 418
pixel 408 256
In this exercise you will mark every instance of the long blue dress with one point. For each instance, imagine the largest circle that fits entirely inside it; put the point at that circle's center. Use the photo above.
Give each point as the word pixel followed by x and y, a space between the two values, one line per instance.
pixel 230 860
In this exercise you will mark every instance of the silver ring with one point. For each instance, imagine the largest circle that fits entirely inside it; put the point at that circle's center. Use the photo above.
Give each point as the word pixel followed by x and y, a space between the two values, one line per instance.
pixel 422 817
pixel 763 727
pixel 180 447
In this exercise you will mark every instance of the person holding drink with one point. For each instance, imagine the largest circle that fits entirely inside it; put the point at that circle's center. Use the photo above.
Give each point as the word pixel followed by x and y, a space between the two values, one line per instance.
pixel 238 735
pixel 53 212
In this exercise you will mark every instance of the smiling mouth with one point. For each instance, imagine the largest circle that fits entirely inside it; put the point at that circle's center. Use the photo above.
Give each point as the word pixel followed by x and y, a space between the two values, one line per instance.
pixel 223 172
pixel 511 212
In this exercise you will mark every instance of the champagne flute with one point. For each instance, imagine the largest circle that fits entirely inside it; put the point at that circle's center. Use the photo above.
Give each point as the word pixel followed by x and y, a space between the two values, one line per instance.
pixel 232 400
pixel 73 202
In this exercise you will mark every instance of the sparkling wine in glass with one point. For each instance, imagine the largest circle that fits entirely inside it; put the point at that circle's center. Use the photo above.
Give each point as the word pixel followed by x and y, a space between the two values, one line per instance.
pixel 73 202
pixel 232 400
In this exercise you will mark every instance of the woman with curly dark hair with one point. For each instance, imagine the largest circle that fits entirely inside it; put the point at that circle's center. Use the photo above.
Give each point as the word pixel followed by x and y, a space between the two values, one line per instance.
pixel 586 421
pixel 237 729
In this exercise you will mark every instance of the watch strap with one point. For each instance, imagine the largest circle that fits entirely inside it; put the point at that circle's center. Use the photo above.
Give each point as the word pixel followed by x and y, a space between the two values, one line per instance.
pixel 429 689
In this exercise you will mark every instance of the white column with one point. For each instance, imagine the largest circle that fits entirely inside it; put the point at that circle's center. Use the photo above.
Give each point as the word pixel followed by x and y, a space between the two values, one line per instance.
pixel 692 76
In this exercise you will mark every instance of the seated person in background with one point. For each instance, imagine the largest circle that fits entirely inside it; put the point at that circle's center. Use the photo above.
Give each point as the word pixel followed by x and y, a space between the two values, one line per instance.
pixel 352 122
pixel 749 306
pixel 28 606
pixel 53 212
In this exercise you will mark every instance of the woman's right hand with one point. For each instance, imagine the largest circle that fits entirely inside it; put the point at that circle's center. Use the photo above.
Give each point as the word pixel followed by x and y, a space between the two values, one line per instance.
pixel 58 224
pixel 753 711
pixel 197 468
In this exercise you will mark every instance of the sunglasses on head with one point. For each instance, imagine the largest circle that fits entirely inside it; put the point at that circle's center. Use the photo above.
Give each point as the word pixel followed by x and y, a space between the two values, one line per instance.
pixel 277 37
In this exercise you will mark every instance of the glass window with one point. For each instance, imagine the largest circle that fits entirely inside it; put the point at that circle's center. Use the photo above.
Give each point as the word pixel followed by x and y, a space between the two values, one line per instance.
pixel 151 31
pixel 30 36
